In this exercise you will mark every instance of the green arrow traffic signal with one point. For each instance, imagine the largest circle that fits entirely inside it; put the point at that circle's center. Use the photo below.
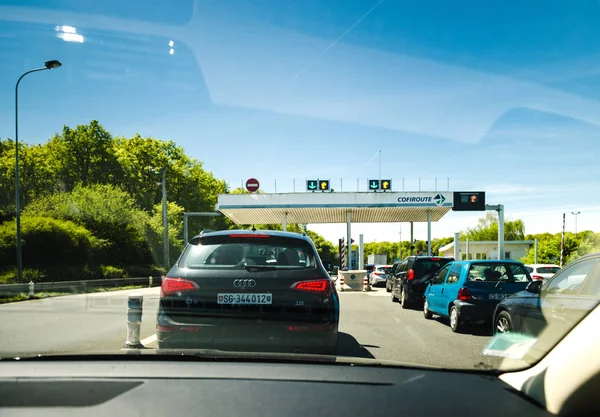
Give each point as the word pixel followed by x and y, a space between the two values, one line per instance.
pixel 311 185
pixel 374 184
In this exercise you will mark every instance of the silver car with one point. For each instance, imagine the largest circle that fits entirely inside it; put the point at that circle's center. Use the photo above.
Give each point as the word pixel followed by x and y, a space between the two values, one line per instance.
pixel 379 275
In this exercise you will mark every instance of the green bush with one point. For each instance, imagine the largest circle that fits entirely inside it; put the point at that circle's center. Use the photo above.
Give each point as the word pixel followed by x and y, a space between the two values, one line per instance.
pixel 106 211
pixel 112 272
pixel 137 271
pixel 47 241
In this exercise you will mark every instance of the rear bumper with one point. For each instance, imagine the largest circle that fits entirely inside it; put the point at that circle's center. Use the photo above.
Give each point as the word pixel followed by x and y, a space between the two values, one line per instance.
pixel 377 280
pixel 475 312
pixel 414 294
pixel 249 335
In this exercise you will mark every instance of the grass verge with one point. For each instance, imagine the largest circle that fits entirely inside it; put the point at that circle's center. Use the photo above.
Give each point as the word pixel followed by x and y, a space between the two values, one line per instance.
pixel 40 295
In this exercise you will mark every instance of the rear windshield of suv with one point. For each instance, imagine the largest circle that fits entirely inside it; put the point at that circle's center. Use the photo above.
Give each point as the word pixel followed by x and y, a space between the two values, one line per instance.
pixel 384 269
pixel 233 251
pixel 428 266
pixel 548 269
pixel 494 272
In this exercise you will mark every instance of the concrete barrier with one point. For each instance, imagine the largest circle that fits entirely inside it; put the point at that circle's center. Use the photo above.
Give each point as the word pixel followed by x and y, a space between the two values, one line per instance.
pixel 353 279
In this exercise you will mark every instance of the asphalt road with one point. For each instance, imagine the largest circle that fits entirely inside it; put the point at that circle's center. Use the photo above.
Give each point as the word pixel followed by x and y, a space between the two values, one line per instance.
pixel 371 326
pixel 72 323
pixel 384 330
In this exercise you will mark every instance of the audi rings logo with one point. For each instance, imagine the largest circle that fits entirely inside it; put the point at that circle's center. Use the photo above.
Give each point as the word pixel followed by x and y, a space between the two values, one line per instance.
pixel 244 283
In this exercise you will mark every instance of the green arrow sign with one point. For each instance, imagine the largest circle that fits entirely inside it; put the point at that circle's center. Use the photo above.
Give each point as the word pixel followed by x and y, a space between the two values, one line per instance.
pixel 311 185
pixel 374 184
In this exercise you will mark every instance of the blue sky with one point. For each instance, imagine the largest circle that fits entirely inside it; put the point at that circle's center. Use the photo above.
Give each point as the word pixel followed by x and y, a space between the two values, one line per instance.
pixel 496 95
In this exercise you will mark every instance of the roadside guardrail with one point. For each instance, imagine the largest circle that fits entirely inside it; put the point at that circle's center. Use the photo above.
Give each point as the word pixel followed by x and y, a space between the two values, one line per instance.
pixel 7 290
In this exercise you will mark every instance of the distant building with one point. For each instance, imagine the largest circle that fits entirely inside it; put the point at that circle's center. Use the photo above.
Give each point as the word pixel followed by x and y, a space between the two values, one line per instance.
pixel 513 249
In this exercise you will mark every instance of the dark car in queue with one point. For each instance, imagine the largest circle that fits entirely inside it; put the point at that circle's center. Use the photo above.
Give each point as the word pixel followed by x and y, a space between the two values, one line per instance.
pixel 250 291
pixel 390 276
pixel 468 291
pixel 553 306
pixel 412 277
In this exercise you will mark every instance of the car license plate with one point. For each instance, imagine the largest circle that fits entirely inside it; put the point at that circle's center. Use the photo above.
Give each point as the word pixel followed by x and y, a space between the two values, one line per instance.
pixel 497 296
pixel 240 298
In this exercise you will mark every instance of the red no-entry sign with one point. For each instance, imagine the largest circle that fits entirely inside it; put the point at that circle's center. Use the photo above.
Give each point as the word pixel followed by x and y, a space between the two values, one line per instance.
pixel 252 185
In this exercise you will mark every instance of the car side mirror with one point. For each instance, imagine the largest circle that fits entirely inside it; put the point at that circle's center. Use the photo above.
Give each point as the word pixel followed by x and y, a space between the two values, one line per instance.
pixel 534 287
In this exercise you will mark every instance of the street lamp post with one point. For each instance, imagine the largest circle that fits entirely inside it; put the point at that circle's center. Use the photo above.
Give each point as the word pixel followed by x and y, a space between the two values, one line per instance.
pixel 575 213
pixel 47 66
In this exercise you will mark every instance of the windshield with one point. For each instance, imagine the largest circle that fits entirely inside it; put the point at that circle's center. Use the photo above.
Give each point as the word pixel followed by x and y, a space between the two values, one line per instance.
pixel 548 269
pixel 253 169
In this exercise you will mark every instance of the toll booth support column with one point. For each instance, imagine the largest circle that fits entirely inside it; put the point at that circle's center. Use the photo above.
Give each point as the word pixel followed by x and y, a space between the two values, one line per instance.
pixel 412 239
pixel 185 228
pixel 500 209
pixel 501 231
pixel 456 247
pixel 285 222
pixel 428 233
pixel 349 238
pixel 361 253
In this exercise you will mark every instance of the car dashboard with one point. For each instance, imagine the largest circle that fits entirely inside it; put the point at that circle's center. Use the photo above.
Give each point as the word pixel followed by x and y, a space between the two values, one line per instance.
pixel 192 386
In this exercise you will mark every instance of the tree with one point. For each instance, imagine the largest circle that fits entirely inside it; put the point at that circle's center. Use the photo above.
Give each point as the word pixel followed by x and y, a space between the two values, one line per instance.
pixel 155 232
pixel 325 248
pixel 84 155
pixel 487 229
pixel 575 246
pixel 141 161
pixel 7 179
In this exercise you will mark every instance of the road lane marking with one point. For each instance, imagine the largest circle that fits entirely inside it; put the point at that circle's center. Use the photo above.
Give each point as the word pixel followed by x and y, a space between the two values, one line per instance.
pixel 148 340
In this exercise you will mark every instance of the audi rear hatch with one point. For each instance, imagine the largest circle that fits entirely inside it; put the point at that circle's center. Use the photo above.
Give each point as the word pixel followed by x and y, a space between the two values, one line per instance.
pixel 248 277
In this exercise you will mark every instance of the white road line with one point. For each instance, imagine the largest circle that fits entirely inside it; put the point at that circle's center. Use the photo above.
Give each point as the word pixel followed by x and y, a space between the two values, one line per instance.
pixel 148 340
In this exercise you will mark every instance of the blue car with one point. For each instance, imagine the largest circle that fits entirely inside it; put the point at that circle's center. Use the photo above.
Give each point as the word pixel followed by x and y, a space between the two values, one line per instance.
pixel 468 291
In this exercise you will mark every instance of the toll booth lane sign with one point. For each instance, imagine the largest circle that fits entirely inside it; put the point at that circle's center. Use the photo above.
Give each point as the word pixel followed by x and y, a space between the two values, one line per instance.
pixel 373 185
pixel 469 201
pixel 386 185
pixel 317 185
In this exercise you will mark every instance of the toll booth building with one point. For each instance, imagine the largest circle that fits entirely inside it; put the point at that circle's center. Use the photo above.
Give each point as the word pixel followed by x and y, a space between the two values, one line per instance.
pixel 515 249
pixel 330 207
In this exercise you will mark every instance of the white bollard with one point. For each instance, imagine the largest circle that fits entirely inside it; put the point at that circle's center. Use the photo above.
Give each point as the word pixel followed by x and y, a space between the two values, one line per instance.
pixel 134 321
pixel 31 289
pixel 150 282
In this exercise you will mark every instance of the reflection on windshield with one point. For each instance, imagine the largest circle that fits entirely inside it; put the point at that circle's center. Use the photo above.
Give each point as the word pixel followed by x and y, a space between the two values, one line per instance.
pixel 245 166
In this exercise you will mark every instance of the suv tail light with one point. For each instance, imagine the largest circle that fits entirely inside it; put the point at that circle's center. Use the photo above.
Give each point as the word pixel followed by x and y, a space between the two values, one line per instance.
pixel 174 285
pixel 464 294
pixel 317 285
pixel 411 275
pixel 536 277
